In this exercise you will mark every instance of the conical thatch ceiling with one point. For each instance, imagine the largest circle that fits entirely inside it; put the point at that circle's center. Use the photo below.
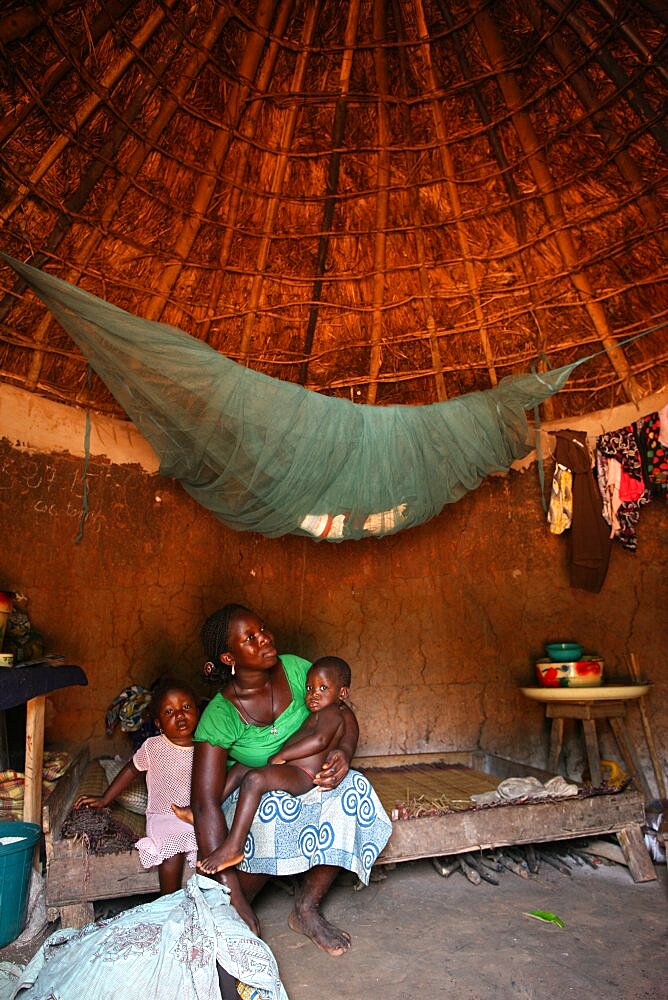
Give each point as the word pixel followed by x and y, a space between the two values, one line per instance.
pixel 398 201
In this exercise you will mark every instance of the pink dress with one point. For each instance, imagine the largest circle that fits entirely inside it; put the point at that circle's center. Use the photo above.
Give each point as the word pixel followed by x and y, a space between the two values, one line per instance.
pixel 168 774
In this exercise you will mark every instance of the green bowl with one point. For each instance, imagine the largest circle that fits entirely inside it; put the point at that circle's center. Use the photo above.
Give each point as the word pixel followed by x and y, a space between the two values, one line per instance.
pixel 564 652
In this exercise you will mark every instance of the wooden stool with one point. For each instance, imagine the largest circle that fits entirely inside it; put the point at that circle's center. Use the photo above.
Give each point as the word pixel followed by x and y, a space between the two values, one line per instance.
pixel 587 712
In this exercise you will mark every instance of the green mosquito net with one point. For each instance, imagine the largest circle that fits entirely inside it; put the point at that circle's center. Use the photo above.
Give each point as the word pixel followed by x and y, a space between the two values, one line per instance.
pixel 272 457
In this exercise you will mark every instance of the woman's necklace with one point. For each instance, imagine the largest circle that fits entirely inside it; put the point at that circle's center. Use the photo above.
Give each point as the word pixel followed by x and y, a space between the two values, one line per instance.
pixel 273 730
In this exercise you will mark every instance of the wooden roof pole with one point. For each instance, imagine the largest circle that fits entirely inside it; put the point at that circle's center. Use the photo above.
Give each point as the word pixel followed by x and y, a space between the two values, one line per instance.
pixel 24 20
pixel 553 210
pixel 329 206
pixel 453 193
pixel 633 40
pixel 58 70
pixel 65 220
pixel 167 110
pixel 219 149
pixel 86 109
pixel 526 267
pixel 426 292
pixel 630 88
pixel 412 159
pixel 382 199
pixel 247 128
pixel 280 170
pixel 133 166
pixel 624 162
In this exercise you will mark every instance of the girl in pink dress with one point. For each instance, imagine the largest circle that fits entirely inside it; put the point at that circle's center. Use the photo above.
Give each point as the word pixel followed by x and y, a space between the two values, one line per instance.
pixel 167 760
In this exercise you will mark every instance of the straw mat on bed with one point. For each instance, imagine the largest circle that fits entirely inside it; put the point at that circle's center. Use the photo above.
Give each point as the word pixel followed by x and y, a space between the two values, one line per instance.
pixel 445 785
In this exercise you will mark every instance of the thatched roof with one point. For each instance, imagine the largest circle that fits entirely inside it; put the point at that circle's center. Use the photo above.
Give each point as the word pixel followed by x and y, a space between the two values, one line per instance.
pixel 398 201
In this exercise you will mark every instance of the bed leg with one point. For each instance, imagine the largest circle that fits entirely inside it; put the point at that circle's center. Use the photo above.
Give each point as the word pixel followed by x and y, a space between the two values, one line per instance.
pixel 637 856
pixel 76 914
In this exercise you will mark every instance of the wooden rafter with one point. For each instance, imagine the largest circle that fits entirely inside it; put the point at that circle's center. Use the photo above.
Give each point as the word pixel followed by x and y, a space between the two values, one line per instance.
pixel 219 149
pixel 23 21
pixel 524 259
pixel 383 178
pixel 421 256
pixel 624 162
pixel 278 178
pixel 59 70
pixel 88 106
pixel 371 190
pixel 552 205
pixel 247 129
pixel 332 183
pixel 632 89
pixel 632 38
pixel 113 204
pixel 448 167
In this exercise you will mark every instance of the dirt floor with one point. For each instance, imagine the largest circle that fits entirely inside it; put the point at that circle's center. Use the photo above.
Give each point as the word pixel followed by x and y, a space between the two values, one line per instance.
pixel 419 935
pixel 416 934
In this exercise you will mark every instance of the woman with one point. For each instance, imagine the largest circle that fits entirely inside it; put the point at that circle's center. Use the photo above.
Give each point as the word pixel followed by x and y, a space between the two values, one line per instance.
pixel 341 823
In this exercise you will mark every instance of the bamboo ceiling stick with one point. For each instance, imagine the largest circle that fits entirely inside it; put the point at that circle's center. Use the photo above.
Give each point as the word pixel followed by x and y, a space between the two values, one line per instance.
pixel 634 669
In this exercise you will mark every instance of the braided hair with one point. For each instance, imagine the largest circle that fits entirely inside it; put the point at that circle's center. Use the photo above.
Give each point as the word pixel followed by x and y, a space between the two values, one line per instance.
pixel 215 639
pixel 164 686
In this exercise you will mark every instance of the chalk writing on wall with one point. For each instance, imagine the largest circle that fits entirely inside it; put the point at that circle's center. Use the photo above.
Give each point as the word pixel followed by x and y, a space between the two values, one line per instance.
pixel 52 486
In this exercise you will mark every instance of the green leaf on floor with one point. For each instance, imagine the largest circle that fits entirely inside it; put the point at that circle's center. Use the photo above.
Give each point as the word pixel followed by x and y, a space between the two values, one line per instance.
pixel 546 917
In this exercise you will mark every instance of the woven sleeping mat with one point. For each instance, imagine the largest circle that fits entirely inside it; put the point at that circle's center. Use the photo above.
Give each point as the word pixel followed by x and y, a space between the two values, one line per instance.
pixel 420 787
pixel 107 831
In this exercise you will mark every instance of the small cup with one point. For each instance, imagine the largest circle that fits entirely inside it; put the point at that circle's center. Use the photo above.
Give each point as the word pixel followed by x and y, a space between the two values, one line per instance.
pixel 6 659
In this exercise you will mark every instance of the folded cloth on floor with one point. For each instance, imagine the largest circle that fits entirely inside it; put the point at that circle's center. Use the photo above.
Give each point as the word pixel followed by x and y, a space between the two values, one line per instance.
pixel 527 788
pixel 166 948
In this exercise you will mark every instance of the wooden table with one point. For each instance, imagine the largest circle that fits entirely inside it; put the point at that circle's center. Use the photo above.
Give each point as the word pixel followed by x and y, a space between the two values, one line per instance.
pixel 586 705
pixel 30 686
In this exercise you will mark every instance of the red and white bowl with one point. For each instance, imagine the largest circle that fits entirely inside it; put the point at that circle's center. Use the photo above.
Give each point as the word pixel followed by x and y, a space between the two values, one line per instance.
pixel 579 673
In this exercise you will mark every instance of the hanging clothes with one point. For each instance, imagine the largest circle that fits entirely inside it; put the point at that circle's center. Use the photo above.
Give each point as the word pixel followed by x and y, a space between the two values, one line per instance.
pixel 560 511
pixel 652 438
pixel 622 484
pixel 589 541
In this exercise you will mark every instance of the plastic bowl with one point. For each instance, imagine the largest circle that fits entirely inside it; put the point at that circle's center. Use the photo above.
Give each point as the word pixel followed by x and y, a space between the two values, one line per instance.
pixel 564 652
pixel 579 673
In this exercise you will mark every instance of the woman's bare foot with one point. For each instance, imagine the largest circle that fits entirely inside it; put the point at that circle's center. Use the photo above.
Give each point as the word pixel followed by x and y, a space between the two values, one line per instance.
pixel 220 859
pixel 184 812
pixel 323 934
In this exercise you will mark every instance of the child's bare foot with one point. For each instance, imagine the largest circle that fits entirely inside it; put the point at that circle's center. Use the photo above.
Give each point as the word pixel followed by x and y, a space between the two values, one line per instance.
pixel 184 812
pixel 220 859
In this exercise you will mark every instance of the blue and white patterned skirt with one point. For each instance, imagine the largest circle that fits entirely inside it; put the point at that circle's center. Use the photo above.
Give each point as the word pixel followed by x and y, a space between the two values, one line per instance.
pixel 346 826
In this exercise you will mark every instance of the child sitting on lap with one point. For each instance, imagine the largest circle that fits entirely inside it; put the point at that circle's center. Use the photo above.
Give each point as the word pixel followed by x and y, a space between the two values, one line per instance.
pixel 296 764
pixel 167 760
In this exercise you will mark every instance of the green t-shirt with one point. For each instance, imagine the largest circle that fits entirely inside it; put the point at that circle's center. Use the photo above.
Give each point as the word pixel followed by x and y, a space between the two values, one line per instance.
pixel 222 726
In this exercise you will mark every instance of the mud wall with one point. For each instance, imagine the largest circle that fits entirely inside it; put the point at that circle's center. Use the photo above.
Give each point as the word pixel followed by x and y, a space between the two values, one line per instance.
pixel 440 624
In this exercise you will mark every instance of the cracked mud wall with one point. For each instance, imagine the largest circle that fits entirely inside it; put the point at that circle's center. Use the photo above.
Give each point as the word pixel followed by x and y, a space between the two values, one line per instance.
pixel 440 624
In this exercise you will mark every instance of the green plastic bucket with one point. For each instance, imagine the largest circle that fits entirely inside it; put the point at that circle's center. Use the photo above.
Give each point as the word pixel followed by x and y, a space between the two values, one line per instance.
pixel 17 844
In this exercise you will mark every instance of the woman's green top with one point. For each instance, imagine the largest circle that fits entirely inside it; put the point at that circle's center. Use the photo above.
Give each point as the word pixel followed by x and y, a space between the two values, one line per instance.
pixel 222 726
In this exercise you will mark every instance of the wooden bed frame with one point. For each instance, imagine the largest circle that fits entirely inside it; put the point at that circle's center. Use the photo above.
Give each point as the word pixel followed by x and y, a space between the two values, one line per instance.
pixel 620 813
pixel 75 879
